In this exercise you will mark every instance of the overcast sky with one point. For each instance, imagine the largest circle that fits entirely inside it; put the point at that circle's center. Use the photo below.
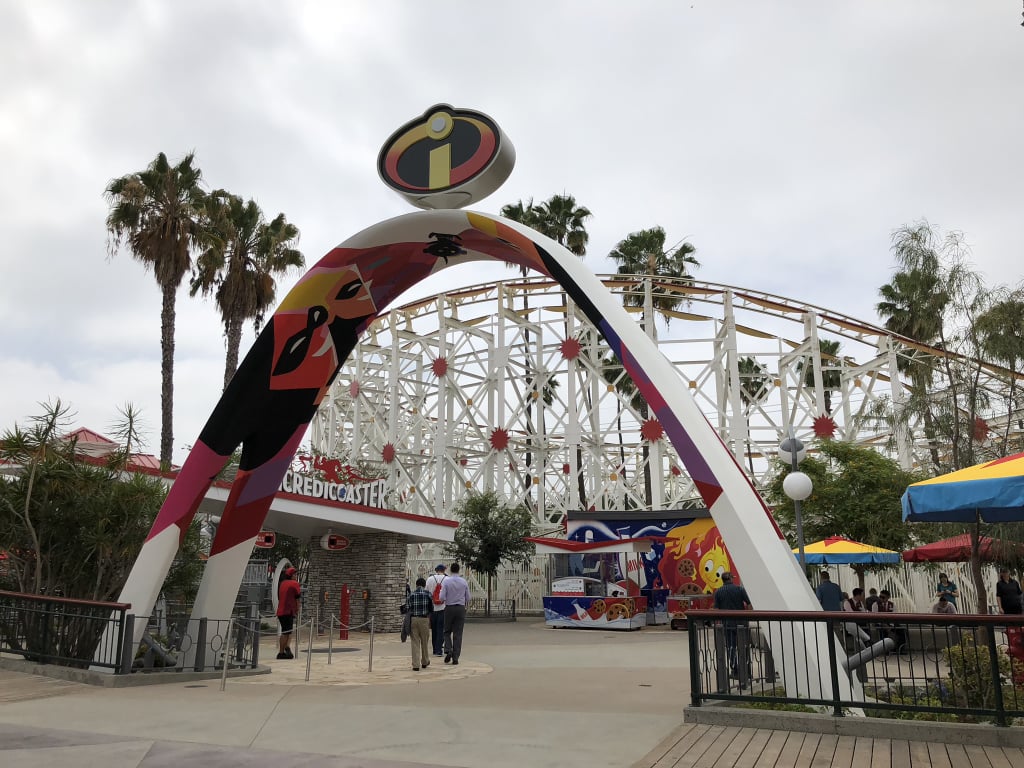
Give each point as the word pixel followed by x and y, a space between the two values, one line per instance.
pixel 785 139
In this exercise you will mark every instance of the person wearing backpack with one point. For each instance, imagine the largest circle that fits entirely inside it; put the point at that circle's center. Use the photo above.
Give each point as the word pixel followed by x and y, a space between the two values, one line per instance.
pixel 437 617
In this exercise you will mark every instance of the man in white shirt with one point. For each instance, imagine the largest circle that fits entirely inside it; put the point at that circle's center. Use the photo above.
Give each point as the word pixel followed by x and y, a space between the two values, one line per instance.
pixel 455 593
pixel 437 617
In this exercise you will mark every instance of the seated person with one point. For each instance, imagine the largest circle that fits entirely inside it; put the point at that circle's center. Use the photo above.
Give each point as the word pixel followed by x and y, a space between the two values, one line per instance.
pixel 897 633
pixel 944 606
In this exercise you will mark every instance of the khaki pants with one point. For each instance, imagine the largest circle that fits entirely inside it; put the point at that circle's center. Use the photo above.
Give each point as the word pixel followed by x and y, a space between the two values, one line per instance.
pixel 420 641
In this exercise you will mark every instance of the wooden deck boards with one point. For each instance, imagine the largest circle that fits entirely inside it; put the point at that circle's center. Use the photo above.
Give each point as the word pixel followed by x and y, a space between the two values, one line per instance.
pixel 704 746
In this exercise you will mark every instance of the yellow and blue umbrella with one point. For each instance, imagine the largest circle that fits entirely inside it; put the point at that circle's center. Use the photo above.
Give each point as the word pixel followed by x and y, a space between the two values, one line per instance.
pixel 838 550
pixel 993 492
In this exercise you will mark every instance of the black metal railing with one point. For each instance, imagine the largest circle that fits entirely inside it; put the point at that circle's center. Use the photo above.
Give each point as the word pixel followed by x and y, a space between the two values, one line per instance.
pixel 58 630
pixel 174 641
pixel 74 633
pixel 482 608
pixel 962 668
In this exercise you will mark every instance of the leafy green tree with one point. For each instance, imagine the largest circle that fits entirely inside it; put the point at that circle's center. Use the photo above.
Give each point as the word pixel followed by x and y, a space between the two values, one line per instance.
pixel 157 214
pixel 938 299
pixel 856 494
pixel 240 265
pixel 72 525
pixel 489 534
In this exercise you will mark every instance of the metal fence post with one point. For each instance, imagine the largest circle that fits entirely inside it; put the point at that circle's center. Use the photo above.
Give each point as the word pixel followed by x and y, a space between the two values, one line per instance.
pixel 370 668
pixel 997 683
pixel 200 663
pixel 693 641
pixel 124 660
pixel 833 665
pixel 227 655
pixel 254 610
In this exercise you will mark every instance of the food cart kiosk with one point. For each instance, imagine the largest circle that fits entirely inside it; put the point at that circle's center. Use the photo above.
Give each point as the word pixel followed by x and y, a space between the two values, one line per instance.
pixel 600 601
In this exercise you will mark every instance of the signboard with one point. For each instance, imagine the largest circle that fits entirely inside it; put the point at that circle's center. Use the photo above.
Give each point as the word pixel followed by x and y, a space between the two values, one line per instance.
pixel 333 542
pixel 369 493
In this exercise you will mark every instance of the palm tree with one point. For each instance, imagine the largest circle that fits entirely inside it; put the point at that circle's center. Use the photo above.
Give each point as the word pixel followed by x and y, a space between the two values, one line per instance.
pixel 831 379
pixel 157 215
pixel 644 253
pixel 754 381
pixel 240 265
pixel 563 221
pixel 614 372
pixel 913 305
pixel 1001 332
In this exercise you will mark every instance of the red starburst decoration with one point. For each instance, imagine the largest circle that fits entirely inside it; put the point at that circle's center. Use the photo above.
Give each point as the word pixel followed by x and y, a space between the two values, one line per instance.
pixel 676 470
pixel 499 439
pixel 652 430
pixel 388 453
pixel 570 349
pixel 353 389
pixel 981 429
pixel 440 367
pixel 566 469
pixel 824 426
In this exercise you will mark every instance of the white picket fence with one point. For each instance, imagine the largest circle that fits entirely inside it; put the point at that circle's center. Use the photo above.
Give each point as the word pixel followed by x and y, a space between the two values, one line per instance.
pixel 913 586
pixel 526 585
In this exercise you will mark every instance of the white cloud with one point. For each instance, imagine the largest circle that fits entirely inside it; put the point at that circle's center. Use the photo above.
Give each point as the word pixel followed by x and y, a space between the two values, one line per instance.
pixel 785 140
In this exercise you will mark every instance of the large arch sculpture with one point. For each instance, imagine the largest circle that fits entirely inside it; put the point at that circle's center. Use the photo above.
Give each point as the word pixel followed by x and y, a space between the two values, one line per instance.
pixel 274 394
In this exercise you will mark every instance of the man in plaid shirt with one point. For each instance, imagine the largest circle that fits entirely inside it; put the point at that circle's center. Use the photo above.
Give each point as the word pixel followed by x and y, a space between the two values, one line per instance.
pixel 420 608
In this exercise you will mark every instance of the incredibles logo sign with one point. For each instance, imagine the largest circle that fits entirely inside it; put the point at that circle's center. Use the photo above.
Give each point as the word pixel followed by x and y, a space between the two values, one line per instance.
pixel 446 159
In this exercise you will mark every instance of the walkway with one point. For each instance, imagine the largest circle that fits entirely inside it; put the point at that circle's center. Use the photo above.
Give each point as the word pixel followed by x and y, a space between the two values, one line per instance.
pixel 524 695
pixel 715 746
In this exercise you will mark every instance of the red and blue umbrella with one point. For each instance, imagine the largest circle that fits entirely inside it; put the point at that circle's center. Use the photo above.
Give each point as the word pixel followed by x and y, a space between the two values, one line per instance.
pixel 992 492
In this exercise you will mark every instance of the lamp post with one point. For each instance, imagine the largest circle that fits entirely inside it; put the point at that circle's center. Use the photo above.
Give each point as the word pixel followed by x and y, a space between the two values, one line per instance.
pixel 796 485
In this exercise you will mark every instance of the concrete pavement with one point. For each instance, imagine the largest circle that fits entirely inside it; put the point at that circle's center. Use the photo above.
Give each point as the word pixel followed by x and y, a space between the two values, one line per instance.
pixel 523 695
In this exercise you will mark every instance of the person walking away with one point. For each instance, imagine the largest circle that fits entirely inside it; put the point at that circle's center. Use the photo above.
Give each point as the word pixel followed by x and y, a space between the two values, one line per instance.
pixel 947 589
pixel 1008 593
pixel 733 597
pixel 419 608
pixel 455 595
pixel 288 593
pixel 437 616
pixel 829 594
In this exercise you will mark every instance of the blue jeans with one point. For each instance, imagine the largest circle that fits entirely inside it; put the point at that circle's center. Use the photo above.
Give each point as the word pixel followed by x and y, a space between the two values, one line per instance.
pixel 437 632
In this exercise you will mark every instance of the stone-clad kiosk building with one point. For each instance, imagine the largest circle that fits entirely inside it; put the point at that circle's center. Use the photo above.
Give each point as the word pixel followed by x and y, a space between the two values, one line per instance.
pixel 368 548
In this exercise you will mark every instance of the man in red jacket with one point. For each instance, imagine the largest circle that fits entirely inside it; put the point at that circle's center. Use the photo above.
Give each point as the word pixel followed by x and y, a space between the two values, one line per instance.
pixel 288 593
